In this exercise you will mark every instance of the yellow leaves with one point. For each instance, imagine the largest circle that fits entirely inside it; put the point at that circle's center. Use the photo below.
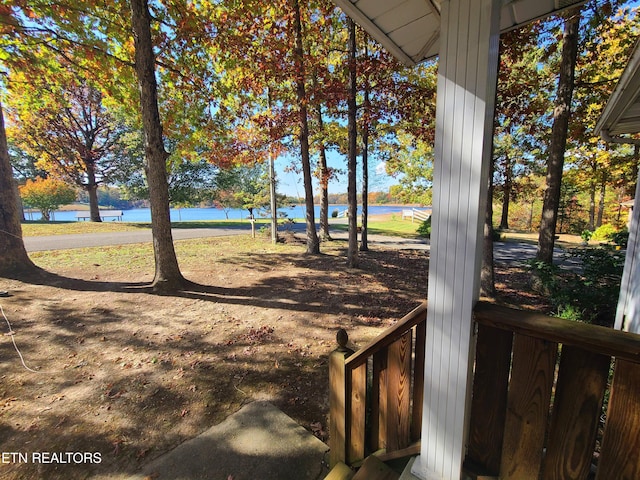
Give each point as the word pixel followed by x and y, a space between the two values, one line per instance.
pixel 47 194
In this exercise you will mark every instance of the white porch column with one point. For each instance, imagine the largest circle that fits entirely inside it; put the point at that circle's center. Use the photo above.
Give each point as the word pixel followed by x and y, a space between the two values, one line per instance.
pixel 628 312
pixel 464 117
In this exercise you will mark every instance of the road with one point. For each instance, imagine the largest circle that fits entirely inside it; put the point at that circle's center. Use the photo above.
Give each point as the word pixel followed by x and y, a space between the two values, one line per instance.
pixel 81 240
pixel 504 253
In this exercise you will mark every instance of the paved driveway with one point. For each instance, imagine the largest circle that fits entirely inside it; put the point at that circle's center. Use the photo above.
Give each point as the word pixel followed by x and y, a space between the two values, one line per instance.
pixel 504 253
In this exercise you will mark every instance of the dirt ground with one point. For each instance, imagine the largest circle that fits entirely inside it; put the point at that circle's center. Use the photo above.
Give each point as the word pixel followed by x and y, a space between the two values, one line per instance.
pixel 120 375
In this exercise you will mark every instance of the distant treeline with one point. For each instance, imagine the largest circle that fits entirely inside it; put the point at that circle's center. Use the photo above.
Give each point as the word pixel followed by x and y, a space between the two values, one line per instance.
pixel 373 197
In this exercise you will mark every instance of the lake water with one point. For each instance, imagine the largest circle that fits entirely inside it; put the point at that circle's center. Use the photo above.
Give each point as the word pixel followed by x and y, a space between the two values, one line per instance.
pixel 199 214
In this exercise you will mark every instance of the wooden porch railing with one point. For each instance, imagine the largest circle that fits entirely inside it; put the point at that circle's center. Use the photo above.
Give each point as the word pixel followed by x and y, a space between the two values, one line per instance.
pixel 537 404
pixel 375 397
pixel 537 407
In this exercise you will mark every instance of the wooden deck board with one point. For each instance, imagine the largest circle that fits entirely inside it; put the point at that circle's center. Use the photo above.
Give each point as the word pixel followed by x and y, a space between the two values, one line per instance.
pixel 375 469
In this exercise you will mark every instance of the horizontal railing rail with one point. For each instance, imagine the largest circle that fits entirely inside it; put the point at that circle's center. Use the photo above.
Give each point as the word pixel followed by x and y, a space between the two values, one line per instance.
pixel 389 336
pixel 381 383
pixel 551 398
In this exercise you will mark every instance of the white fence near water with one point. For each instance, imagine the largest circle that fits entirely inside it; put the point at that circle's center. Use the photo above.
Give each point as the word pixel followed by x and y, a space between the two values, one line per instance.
pixel 415 214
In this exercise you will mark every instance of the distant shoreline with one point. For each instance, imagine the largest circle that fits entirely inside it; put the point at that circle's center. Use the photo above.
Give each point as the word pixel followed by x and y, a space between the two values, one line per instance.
pixel 81 207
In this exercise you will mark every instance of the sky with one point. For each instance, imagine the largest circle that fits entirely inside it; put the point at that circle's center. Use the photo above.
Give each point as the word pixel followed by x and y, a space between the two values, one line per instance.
pixel 290 183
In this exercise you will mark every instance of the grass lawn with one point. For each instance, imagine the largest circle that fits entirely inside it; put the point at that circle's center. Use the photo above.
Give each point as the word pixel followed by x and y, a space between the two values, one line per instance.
pixel 130 374
pixel 386 225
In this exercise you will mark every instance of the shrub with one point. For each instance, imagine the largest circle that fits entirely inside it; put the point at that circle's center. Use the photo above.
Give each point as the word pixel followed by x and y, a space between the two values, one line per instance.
pixel 621 238
pixel 334 214
pixel 604 232
pixel 586 235
pixel 589 294
pixel 424 230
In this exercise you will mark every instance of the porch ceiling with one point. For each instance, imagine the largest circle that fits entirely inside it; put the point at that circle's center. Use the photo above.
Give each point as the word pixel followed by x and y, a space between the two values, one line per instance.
pixel 410 29
pixel 621 114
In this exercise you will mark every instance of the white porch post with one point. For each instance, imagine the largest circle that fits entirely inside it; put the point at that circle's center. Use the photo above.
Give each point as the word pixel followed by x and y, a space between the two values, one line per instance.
pixel 464 117
pixel 628 313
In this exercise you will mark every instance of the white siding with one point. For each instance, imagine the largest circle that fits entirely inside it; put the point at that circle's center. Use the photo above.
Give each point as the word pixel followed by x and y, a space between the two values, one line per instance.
pixel 464 112
pixel 628 313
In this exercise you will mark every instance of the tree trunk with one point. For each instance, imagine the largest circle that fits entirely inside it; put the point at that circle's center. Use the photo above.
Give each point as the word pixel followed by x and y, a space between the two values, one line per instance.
pixel 313 243
pixel 92 190
pixel 364 243
pixel 273 197
pixel 324 181
pixel 631 185
pixel 592 201
pixel 14 260
pixel 561 115
pixel 352 252
pixel 487 274
pixel 506 197
pixel 94 209
pixel 167 272
pixel 20 205
pixel 603 191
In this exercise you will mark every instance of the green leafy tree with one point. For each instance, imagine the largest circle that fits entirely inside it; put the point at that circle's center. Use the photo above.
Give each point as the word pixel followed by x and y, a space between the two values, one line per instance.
pixel 558 139
pixel 521 101
pixel 607 41
pixel 412 163
pixel 47 195
pixel 191 182
pixel 352 139
pixel 243 186
pixel 67 127
pixel 167 272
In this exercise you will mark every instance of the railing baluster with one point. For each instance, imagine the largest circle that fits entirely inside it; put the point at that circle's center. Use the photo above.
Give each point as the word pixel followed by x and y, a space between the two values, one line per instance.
pixel 398 393
pixel 619 457
pixel 489 401
pixel 418 381
pixel 379 401
pixel 532 378
pixel 582 380
pixel 357 378
pixel 513 379
pixel 391 420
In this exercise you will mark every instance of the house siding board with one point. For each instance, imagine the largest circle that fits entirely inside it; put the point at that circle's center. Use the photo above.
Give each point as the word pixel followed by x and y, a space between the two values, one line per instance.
pixel 629 121
pixel 466 80
pixel 628 311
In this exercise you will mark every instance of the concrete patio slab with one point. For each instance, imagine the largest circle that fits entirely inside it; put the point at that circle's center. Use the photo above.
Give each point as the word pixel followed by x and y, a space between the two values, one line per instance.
pixel 257 442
